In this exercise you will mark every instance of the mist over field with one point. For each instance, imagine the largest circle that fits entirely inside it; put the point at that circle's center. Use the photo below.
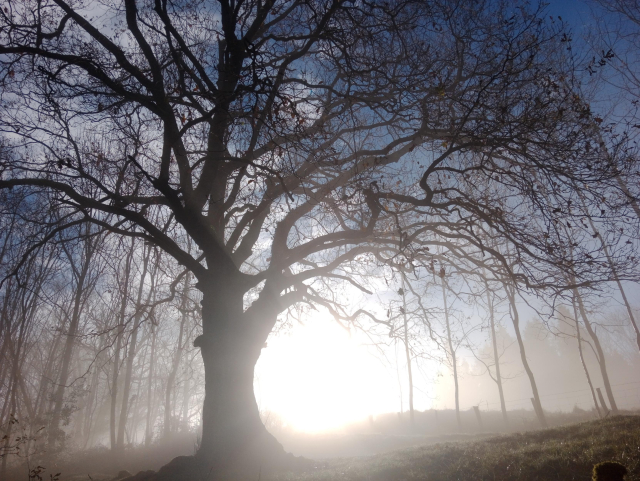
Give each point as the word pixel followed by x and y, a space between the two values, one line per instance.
pixel 309 239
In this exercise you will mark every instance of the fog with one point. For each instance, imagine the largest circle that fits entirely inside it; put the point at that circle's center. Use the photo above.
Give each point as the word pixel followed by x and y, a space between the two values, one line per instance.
pixel 323 377
pixel 236 230
pixel 324 389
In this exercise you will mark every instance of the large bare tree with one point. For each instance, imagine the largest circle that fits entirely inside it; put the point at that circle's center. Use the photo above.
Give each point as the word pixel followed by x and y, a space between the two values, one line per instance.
pixel 283 138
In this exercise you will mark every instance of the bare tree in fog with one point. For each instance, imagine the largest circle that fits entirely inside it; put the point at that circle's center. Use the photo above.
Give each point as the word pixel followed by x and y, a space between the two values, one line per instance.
pixel 123 285
pixel 407 347
pixel 491 304
pixel 84 275
pixel 284 139
pixel 615 49
pixel 515 319
pixel 133 339
pixel 21 297
pixel 452 350
pixel 177 359
pixel 581 353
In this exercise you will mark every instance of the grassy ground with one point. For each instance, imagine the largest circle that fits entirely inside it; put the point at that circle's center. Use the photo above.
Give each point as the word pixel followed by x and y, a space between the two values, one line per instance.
pixel 561 453
pixel 564 453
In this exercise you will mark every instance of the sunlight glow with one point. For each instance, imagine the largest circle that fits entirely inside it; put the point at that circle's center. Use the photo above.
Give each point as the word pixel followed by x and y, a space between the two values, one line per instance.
pixel 319 377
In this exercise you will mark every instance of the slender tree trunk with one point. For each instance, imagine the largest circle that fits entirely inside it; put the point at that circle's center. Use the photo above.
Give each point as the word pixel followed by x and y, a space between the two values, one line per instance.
pixel 3 367
pixel 8 436
pixel 126 385
pixel 407 352
pixel 186 396
pixel 584 364
pixel 5 371
pixel 6 407
pixel 627 304
pixel 124 290
pixel 452 351
pixel 176 360
pixel 26 399
pixel 93 387
pixel 131 353
pixel 496 358
pixel 9 310
pixel 135 418
pixel 515 318
pixel 398 377
pixel 114 392
pixel 55 438
pixel 614 271
pixel 45 379
pixel 16 350
pixel 601 359
pixel 148 426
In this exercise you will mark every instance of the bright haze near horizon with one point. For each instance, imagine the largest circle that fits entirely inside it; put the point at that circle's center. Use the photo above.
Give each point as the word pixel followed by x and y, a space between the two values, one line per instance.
pixel 319 377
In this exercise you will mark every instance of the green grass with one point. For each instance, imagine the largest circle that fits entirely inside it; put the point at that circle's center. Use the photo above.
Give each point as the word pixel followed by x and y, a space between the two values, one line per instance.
pixel 564 453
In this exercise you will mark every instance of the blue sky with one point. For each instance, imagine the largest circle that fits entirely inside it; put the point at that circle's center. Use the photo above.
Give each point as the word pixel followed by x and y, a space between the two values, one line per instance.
pixel 573 11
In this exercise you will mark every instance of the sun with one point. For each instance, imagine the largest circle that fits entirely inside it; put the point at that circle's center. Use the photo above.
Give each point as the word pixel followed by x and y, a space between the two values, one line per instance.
pixel 320 377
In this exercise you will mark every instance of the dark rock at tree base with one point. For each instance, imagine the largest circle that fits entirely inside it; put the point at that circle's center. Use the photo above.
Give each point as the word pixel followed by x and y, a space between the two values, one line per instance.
pixel 609 471
pixel 180 468
pixel 191 468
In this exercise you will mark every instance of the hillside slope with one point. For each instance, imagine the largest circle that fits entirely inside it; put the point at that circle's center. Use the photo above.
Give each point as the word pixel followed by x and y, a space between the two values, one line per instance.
pixel 565 453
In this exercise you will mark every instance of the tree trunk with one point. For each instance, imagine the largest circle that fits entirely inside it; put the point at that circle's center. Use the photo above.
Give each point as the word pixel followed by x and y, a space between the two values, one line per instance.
pixel 148 425
pixel 176 360
pixel 55 436
pixel 135 418
pixel 131 353
pixel 8 436
pixel 43 389
pixel 453 355
pixel 124 292
pixel 186 397
pixel 233 435
pixel 627 304
pixel 584 364
pixel 496 358
pixel 614 271
pixel 93 388
pixel 601 359
pixel 515 318
pixel 407 352
pixel 16 352
pixel 114 392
